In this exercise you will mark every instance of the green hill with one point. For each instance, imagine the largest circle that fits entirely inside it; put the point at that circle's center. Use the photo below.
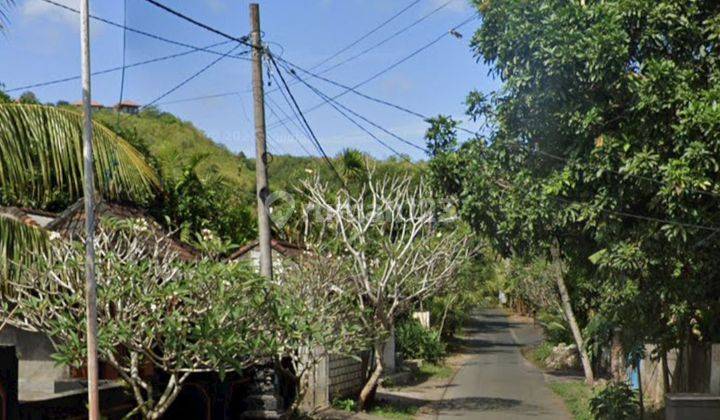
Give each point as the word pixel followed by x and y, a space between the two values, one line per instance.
pixel 175 144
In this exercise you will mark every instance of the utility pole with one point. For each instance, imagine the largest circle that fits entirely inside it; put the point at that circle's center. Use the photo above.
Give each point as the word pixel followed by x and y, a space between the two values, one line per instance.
pixel 89 198
pixel 260 146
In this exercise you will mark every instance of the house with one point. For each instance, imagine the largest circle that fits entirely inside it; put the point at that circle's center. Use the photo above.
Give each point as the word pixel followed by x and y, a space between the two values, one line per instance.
pixel 94 105
pixel 128 107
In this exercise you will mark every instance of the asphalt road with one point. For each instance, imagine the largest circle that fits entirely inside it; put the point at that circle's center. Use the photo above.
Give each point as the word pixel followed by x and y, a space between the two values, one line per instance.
pixel 497 382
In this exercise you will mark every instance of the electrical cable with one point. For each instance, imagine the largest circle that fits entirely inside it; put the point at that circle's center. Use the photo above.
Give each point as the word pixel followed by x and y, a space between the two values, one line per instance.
pixel 242 40
pixel 388 39
pixel 392 66
pixel 193 76
pixel 314 137
pixel 335 103
pixel 367 34
pixel 271 106
pixel 134 30
pixel 114 69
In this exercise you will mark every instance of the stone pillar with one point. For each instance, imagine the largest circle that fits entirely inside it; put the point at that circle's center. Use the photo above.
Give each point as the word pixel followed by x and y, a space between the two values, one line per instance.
pixel 715 369
pixel 317 383
pixel 264 400
pixel 8 383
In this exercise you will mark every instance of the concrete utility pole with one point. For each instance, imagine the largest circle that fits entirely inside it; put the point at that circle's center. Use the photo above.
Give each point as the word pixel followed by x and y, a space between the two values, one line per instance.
pixel 260 146
pixel 89 198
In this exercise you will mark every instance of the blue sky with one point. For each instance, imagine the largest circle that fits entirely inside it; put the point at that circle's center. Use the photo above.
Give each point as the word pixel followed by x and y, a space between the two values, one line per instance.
pixel 42 43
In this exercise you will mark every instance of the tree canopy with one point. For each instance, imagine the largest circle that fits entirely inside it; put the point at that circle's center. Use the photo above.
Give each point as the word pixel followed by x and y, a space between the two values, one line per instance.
pixel 603 136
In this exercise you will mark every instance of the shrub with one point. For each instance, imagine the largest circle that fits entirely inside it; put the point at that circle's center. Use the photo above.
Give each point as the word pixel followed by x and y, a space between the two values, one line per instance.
pixel 417 342
pixel 614 402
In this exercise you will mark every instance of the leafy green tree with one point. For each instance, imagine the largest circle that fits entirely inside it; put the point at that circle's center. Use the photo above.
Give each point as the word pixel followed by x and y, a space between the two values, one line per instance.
pixel 28 98
pixel 605 132
pixel 178 317
pixel 196 204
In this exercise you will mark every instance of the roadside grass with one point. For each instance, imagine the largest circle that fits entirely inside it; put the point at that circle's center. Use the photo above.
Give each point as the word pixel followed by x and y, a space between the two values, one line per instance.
pixel 394 411
pixel 382 408
pixel 538 354
pixel 418 375
pixel 576 395
pixel 432 370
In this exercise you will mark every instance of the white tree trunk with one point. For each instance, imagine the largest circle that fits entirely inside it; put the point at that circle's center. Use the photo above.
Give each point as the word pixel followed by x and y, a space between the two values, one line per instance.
pixel 569 313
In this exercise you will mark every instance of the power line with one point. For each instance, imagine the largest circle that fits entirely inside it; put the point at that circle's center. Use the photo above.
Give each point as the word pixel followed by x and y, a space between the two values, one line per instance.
pixel 134 30
pixel 197 98
pixel 336 104
pixel 392 66
pixel 367 34
pixel 271 106
pixel 350 89
pixel 292 109
pixel 128 66
pixel 242 40
pixel 417 114
pixel 314 137
pixel 386 40
pixel 193 76
pixel 124 50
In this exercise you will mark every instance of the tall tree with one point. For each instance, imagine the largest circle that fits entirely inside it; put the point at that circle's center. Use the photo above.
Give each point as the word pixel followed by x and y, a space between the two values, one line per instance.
pixel 611 109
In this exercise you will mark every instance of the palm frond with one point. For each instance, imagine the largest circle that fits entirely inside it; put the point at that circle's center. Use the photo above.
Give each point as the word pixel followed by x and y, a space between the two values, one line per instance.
pixel 20 243
pixel 4 8
pixel 41 159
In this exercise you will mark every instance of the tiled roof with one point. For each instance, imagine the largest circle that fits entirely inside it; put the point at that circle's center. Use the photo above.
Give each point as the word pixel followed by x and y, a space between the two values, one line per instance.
pixel 92 103
pixel 18 215
pixel 129 103
pixel 71 223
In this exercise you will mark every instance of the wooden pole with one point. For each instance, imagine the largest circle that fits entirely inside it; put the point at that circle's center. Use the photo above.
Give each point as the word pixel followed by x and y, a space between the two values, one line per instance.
pixel 260 146
pixel 89 198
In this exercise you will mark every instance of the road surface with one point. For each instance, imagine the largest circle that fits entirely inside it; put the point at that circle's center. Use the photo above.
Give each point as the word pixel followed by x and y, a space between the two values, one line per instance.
pixel 497 382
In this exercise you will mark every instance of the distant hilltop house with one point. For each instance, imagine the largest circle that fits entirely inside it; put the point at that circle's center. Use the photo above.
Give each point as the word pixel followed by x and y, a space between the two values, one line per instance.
pixel 127 107
pixel 96 106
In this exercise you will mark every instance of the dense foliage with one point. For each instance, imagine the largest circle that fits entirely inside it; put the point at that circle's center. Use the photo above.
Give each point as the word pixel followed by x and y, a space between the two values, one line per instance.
pixel 417 342
pixel 601 142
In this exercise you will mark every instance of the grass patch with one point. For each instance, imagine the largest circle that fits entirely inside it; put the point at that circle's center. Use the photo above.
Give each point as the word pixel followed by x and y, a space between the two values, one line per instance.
pixel 431 370
pixel 576 395
pixel 537 355
pixel 386 409
pixel 393 411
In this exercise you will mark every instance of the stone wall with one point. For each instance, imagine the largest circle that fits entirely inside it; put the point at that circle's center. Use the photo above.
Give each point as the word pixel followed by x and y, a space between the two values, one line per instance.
pixel 346 375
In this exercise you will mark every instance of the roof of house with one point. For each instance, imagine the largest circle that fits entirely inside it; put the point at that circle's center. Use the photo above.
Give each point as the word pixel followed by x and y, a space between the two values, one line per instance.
pixel 92 103
pixel 130 104
pixel 71 223
pixel 19 215
pixel 285 249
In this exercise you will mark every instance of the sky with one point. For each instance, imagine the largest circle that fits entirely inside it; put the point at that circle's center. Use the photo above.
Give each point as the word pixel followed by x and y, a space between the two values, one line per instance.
pixel 42 43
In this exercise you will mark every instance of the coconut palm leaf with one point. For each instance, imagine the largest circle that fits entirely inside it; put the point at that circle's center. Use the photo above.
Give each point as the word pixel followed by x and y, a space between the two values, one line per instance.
pixel 4 7
pixel 20 242
pixel 41 159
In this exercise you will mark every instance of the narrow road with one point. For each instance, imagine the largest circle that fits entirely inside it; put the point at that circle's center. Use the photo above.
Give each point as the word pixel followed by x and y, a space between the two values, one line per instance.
pixel 497 382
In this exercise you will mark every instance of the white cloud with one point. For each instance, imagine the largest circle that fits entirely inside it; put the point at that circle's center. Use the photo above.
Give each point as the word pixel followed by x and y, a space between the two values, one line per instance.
pixel 34 9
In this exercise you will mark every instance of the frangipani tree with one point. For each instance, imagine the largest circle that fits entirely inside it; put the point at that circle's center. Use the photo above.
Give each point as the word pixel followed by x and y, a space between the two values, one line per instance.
pixel 395 251
pixel 153 310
